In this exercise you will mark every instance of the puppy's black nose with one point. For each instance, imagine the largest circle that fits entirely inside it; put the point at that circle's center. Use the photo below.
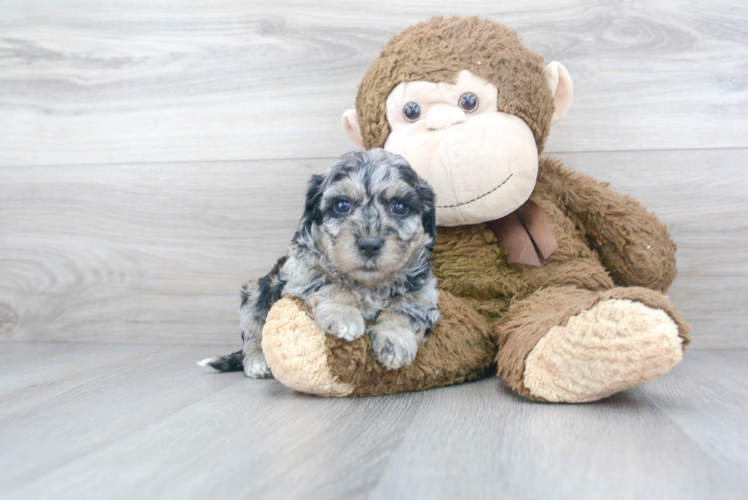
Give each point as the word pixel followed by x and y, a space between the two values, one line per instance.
pixel 369 247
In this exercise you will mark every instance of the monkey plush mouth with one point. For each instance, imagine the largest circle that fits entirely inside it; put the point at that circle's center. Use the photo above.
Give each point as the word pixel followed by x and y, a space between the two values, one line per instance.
pixel 477 197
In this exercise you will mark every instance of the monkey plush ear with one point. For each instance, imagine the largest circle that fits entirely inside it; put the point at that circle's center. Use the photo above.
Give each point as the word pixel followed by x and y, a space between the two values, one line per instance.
pixel 352 127
pixel 560 83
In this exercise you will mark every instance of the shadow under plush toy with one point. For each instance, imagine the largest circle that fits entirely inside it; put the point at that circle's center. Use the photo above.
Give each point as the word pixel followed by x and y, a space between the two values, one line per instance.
pixel 543 271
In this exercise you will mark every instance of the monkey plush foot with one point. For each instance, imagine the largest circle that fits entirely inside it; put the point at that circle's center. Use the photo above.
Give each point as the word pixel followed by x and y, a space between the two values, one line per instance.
pixel 302 357
pixel 597 345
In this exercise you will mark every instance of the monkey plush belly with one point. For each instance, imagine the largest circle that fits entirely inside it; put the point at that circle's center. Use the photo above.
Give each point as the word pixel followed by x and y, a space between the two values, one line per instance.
pixel 469 264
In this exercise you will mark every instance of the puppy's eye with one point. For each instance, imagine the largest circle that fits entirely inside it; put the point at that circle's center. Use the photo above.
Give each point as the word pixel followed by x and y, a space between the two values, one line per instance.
pixel 399 208
pixel 342 207
pixel 412 111
pixel 468 102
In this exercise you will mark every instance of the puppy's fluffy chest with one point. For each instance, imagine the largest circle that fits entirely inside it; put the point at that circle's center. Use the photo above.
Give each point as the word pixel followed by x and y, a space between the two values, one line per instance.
pixel 371 301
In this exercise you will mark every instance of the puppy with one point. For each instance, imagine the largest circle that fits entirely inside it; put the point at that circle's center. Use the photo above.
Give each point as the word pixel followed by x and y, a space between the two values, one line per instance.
pixel 360 260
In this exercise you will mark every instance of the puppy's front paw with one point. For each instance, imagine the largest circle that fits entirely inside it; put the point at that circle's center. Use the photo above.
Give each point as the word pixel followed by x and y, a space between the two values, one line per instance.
pixel 396 347
pixel 342 321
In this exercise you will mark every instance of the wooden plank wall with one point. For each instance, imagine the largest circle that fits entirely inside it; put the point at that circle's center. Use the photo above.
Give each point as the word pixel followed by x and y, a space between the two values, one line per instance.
pixel 153 154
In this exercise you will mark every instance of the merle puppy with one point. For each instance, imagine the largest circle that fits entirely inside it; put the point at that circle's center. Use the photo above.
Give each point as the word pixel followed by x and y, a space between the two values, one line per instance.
pixel 360 260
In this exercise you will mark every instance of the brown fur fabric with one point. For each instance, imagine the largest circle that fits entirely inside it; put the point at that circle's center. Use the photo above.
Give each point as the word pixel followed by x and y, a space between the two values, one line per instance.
pixel 595 228
pixel 468 262
pixel 632 243
pixel 486 302
pixel 610 247
pixel 459 349
pixel 436 50
pixel 527 321
pixel 592 225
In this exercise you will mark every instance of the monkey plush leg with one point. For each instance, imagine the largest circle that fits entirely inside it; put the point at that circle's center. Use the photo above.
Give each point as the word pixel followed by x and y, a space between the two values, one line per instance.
pixel 302 357
pixel 568 345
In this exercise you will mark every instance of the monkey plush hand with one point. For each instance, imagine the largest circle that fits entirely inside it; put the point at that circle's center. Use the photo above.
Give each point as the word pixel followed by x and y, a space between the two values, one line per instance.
pixel 545 272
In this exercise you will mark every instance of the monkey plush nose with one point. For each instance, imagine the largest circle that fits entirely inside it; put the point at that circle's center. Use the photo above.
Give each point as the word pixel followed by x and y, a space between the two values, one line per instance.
pixel 369 247
pixel 444 117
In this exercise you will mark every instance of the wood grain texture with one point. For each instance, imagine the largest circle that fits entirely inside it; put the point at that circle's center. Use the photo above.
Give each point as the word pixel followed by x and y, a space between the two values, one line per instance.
pixel 152 425
pixel 160 81
pixel 140 252
pixel 157 252
pixel 655 441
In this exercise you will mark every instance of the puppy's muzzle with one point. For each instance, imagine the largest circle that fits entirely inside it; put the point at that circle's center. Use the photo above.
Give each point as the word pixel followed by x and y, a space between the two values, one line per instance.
pixel 369 247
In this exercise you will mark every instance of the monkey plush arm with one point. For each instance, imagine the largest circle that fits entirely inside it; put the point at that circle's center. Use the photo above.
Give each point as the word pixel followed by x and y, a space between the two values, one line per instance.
pixel 634 246
pixel 301 356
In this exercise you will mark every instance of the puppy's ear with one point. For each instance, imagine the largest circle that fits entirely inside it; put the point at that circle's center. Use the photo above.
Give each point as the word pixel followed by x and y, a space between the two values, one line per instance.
pixel 428 217
pixel 312 211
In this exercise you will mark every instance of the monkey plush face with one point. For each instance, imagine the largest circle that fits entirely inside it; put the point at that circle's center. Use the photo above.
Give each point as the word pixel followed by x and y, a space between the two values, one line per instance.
pixel 441 127
pixel 468 106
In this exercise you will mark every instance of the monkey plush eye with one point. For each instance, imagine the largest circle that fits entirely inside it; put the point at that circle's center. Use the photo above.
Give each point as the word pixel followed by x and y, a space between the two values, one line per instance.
pixel 399 208
pixel 468 102
pixel 342 207
pixel 412 111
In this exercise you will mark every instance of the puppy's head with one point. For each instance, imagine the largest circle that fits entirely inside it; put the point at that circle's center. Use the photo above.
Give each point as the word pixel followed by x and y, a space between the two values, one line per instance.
pixel 370 216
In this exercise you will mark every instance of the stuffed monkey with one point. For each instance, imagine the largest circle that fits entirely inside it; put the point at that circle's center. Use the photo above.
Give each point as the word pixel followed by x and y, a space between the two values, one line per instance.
pixel 545 275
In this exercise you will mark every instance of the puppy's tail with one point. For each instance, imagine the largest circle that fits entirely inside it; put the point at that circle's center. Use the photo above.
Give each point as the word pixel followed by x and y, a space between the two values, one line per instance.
pixel 228 363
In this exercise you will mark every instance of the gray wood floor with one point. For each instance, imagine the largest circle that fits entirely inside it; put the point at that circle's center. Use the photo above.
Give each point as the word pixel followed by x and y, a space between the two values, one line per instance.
pixel 140 421
pixel 153 156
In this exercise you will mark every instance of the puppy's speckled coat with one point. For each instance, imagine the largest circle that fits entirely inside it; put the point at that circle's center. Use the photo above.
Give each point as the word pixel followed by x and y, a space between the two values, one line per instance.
pixel 360 260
